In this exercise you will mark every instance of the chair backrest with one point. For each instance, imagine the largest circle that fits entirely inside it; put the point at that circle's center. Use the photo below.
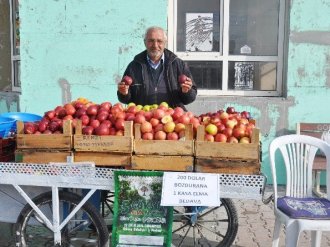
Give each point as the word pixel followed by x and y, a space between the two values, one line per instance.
pixel 298 152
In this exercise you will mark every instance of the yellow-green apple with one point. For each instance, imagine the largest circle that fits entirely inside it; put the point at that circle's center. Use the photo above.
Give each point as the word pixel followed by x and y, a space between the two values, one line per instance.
pixel 211 129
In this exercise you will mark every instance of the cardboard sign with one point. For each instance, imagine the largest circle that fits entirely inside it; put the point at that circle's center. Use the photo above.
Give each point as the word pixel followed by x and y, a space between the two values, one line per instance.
pixel 190 189
pixel 139 219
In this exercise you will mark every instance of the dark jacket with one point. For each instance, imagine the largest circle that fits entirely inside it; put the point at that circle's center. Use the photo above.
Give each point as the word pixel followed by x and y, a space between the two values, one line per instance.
pixel 173 67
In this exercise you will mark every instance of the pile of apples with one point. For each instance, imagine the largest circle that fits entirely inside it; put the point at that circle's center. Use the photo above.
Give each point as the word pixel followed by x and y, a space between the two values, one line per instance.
pixel 95 119
pixel 160 122
pixel 228 126
pixel 157 122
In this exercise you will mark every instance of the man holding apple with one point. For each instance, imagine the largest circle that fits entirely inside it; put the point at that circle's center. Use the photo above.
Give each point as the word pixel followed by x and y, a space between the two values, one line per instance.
pixel 157 75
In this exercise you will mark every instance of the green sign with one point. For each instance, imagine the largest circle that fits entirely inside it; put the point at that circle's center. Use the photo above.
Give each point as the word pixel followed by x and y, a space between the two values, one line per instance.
pixel 139 220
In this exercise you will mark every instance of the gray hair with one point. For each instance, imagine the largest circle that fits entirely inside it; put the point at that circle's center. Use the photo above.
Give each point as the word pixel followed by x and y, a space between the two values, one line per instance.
pixel 149 29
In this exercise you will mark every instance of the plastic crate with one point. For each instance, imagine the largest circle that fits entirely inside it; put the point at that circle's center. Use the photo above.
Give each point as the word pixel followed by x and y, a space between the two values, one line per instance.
pixel 7 125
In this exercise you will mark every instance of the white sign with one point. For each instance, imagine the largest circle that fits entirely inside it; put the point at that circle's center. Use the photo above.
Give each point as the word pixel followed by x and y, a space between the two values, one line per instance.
pixel 190 189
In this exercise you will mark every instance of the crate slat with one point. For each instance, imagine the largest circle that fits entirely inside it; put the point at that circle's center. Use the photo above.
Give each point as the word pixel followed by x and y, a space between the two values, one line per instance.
pixel 104 158
pixel 246 167
pixel 40 156
pixel 162 163
pixel 45 141
pixel 118 144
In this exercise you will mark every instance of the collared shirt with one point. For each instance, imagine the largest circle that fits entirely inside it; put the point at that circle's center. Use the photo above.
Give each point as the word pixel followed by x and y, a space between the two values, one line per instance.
pixel 155 65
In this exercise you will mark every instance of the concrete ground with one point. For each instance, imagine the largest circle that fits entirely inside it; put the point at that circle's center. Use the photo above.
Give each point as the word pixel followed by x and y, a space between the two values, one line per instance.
pixel 256 222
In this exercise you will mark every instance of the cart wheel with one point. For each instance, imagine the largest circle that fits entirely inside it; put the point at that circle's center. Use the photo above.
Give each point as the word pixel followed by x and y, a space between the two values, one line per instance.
pixel 215 226
pixel 107 202
pixel 86 228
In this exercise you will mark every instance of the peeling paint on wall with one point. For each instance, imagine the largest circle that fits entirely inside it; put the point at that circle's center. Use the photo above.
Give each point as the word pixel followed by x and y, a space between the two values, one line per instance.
pixel 65 89
pixel 311 37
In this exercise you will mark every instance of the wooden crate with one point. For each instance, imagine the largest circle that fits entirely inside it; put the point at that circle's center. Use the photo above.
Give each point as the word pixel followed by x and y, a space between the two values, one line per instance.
pixel 247 167
pixel 164 147
pixel 162 163
pixel 235 158
pixel 104 158
pixel 114 144
pixel 41 156
pixel 43 141
pixel 7 146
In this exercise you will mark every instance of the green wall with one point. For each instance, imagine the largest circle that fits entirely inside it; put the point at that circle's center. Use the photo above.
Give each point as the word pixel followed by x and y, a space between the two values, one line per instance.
pixel 79 48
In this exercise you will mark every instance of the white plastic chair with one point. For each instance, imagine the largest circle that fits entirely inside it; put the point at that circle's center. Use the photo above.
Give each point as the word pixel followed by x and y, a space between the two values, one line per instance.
pixel 298 152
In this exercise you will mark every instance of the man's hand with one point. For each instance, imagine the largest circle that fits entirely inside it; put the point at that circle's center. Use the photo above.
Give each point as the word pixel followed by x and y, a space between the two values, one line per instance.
pixel 123 88
pixel 186 86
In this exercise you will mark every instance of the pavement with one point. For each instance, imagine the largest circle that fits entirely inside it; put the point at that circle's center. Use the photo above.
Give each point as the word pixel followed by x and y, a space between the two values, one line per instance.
pixel 256 223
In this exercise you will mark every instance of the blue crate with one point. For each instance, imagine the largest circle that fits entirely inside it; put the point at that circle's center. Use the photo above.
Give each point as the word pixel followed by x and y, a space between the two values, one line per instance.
pixel 7 125
pixel 19 116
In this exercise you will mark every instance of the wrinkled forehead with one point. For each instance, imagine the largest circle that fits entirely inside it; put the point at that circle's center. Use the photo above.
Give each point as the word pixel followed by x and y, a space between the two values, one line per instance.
pixel 156 34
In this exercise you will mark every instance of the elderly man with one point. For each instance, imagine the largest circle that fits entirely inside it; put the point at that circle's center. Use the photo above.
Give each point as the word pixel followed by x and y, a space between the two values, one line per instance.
pixel 157 75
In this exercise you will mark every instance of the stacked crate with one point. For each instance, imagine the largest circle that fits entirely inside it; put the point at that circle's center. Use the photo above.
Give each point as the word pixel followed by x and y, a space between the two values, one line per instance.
pixel 7 149
pixel 234 158
pixel 43 148
pixel 164 155
pixel 111 151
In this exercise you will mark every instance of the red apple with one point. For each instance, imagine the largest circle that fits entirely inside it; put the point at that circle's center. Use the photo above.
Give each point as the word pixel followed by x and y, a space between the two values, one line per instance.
pixel 146 127
pixel 94 123
pixel 172 136
pixel 148 136
pixel 128 80
pixel 182 78
pixel 87 130
pixel 119 124
pixel 154 121
pixel 230 110
pixel 92 110
pixel 106 105
pixel 220 137
pixel 160 135
pixel 70 110
pixel 102 130
pixel 232 139
pixel 209 138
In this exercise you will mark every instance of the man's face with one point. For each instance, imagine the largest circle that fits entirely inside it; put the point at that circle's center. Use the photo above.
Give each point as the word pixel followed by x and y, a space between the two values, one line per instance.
pixel 155 44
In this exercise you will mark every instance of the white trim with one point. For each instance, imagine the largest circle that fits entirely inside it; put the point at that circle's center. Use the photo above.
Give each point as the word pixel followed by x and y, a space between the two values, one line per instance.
pixel 223 56
pixel 14 58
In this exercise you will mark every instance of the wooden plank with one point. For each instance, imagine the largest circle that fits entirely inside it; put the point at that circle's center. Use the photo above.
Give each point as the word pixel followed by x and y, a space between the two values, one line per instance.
pixel 41 157
pixel 45 141
pixel 120 144
pixel 162 163
pixel 312 129
pixel 104 158
pixel 205 149
pixel 180 147
pixel 247 167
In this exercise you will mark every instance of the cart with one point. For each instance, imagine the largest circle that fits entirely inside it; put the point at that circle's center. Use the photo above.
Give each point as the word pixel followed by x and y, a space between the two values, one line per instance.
pixel 42 200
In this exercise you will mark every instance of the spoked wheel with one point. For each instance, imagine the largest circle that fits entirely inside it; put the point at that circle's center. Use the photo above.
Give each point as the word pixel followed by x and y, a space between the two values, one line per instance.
pixel 87 228
pixel 214 227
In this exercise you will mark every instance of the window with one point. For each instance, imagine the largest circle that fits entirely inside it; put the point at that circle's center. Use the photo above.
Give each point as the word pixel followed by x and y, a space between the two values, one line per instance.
pixel 15 45
pixel 233 47
pixel 9 46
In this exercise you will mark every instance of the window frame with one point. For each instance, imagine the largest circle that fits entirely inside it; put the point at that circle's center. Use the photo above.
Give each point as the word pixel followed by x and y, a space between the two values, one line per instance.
pixel 225 58
pixel 15 58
